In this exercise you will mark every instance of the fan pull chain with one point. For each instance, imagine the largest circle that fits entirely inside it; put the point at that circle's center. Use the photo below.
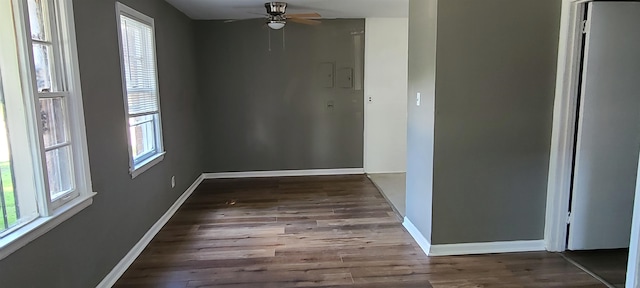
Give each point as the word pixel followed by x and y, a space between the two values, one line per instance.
pixel 269 40
pixel 284 43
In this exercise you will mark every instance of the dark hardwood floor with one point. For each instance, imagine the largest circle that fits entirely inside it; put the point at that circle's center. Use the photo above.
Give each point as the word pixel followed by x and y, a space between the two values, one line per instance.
pixel 610 265
pixel 335 231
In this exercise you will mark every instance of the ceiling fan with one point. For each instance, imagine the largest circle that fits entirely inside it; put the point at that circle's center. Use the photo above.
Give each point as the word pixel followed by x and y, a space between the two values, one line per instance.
pixel 277 18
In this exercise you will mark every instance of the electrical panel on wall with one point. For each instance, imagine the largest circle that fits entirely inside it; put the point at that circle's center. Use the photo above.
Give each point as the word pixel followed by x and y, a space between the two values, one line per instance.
pixel 326 74
pixel 345 78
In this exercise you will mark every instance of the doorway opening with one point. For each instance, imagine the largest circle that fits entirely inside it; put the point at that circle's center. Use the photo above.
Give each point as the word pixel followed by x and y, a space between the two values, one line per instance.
pixel 594 165
pixel 386 86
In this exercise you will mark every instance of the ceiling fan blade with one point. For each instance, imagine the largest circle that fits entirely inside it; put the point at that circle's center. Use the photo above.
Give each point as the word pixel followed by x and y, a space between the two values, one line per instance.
pixel 261 14
pixel 237 20
pixel 304 15
pixel 305 21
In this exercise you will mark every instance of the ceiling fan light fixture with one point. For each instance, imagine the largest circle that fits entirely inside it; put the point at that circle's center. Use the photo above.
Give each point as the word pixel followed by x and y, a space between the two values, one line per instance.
pixel 276 25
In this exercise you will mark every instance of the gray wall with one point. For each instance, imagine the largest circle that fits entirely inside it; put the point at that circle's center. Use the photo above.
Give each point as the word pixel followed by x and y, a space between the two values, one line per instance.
pixel 495 83
pixel 82 250
pixel 420 121
pixel 265 110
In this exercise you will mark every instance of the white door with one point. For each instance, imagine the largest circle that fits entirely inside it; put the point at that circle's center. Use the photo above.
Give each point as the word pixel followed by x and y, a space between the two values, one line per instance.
pixel 608 140
pixel 386 80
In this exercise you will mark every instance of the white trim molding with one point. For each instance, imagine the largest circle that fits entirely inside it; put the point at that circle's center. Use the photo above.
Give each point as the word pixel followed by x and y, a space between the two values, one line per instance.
pixel 128 259
pixel 146 165
pixel 284 173
pixel 486 248
pixel 38 227
pixel 386 172
pixel 415 233
pixel 564 118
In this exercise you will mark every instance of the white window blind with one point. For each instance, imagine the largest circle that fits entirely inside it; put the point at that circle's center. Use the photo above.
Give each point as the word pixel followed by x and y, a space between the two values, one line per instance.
pixel 139 66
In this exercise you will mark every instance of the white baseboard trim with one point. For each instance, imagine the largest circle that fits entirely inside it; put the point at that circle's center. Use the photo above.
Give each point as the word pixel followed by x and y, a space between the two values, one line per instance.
pixel 415 233
pixel 284 173
pixel 384 172
pixel 471 248
pixel 487 248
pixel 128 259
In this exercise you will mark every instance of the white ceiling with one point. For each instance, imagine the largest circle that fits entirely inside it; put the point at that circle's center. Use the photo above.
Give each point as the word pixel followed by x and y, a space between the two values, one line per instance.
pixel 243 9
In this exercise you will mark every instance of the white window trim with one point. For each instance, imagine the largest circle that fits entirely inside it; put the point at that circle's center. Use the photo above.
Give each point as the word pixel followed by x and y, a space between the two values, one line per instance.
pixel 76 107
pixel 136 170
pixel 147 164
pixel 52 217
pixel 38 227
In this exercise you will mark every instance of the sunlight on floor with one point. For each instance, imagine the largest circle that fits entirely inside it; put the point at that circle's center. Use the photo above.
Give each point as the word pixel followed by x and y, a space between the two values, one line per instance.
pixel 393 187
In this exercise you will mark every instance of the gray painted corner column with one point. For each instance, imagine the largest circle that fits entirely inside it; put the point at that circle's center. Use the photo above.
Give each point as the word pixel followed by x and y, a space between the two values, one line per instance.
pixel 421 125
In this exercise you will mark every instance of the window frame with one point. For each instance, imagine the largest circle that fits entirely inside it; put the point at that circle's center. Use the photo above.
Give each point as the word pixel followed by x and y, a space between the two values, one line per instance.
pixel 60 78
pixel 51 212
pixel 137 168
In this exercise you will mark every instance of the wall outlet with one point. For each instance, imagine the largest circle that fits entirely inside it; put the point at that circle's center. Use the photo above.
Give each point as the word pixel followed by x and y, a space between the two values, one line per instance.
pixel 173 181
pixel 418 98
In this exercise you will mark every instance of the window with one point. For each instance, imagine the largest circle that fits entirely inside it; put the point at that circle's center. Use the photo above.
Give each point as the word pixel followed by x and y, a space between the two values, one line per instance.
pixel 44 170
pixel 140 86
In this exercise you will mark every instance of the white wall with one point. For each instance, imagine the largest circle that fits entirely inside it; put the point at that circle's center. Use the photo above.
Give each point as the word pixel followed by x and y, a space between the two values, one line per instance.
pixel 385 89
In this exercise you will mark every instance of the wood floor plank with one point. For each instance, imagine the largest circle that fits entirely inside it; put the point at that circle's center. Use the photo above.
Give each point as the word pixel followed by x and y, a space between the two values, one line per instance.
pixel 321 231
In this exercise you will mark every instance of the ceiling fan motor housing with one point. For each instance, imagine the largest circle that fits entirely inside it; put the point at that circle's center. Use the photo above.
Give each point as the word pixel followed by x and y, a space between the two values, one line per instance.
pixel 276 8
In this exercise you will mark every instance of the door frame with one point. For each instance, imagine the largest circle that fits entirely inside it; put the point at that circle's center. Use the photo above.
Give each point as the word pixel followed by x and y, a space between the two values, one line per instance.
pixel 564 128
pixel 563 142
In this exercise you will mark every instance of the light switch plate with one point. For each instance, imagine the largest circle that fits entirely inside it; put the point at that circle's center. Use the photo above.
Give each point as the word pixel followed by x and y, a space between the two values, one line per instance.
pixel 418 98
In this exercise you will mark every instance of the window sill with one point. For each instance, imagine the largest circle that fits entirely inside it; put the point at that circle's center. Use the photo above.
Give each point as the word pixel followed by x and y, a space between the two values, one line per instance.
pixel 146 165
pixel 38 227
